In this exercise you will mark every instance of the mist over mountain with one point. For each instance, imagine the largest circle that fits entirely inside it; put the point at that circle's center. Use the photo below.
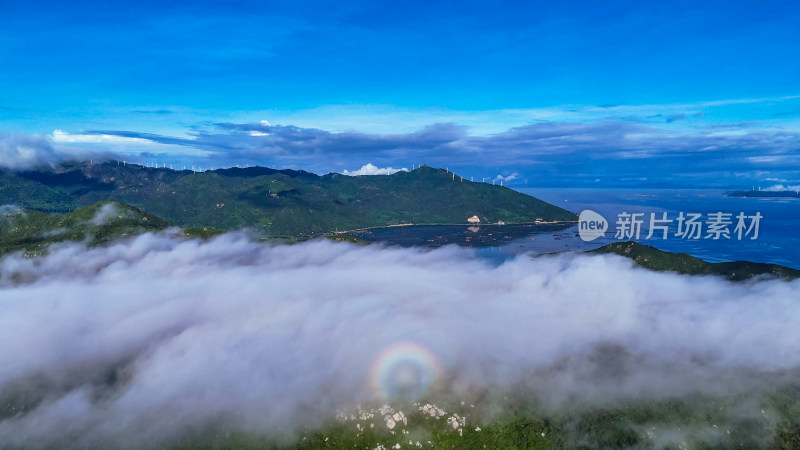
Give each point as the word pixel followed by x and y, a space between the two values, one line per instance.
pixel 153 340
pixel 210 237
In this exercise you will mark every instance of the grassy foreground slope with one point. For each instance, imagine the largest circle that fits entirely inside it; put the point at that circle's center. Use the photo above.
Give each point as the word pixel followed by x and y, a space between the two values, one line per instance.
pixel 277 202
pixel 654 259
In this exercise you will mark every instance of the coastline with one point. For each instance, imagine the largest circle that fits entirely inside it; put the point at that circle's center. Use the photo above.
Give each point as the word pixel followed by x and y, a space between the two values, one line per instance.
pixel 358 230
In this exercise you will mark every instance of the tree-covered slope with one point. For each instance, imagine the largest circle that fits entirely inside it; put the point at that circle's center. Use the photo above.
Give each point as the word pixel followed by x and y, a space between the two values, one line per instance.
pixel 278 202
pixel 654 259
pixel 32 231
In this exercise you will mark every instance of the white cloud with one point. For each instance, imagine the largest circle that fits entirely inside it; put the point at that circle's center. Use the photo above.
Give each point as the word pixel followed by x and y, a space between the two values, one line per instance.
pixel 781 187
pixel 114 146
pixel 506 178
pixel 9 211
pixel 23 151
pixel 387 119
pixel 259 338
pixel 61 137
pixel 107 213
pixel 370 169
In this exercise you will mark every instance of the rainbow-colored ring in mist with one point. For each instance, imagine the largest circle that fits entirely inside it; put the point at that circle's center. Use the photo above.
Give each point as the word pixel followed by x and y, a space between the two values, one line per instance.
pixel 405 370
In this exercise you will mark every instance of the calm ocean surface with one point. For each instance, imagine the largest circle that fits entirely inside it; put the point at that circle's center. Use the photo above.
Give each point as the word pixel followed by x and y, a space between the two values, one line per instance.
pixel 778 240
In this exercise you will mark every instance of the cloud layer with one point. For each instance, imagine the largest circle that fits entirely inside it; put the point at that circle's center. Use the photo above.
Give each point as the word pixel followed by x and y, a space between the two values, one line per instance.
pixel 20 151
pixel 615 152
pixel 781 187
pixel 155 338
pixel 548 152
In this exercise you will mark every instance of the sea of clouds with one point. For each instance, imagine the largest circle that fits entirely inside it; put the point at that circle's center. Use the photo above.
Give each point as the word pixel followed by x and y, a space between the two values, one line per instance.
pixel 155 338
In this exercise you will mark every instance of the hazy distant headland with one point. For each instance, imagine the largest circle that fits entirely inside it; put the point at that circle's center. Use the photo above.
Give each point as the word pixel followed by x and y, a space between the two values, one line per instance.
pixel 786 193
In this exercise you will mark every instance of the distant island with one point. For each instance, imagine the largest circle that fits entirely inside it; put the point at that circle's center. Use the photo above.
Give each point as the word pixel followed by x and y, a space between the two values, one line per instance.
pixel 280 203
pixel 765 194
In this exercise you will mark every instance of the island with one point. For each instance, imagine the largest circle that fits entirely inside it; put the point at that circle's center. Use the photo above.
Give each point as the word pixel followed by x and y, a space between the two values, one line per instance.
pixel 765 194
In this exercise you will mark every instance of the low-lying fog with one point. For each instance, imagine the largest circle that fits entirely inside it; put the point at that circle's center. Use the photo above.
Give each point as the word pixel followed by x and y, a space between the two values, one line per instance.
pixel 154 337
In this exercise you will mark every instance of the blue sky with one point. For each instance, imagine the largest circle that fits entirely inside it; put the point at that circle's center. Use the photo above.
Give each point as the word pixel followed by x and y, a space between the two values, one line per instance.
pixel 593 93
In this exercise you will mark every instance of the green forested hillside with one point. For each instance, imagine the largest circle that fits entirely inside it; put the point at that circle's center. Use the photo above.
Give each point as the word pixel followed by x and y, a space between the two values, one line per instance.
pixel 101 223
pixel 277 202
pixel 654 259
pixel 31 230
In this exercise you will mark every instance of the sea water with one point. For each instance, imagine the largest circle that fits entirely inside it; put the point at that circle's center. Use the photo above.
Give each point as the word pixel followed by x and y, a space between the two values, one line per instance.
pixel 778 240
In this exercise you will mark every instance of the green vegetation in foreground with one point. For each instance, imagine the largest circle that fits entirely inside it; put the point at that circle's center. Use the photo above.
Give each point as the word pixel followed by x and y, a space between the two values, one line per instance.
pixel 654 259
pixel 768 420
pixel 275 202
pixel 32 231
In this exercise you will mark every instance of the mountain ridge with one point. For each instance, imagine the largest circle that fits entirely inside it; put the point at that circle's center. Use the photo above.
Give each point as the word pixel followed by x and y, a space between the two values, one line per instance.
pixel 276 202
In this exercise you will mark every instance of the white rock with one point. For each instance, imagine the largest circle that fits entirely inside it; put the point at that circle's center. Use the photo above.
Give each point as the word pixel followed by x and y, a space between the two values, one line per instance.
pixel 453 422
pixel 400 417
